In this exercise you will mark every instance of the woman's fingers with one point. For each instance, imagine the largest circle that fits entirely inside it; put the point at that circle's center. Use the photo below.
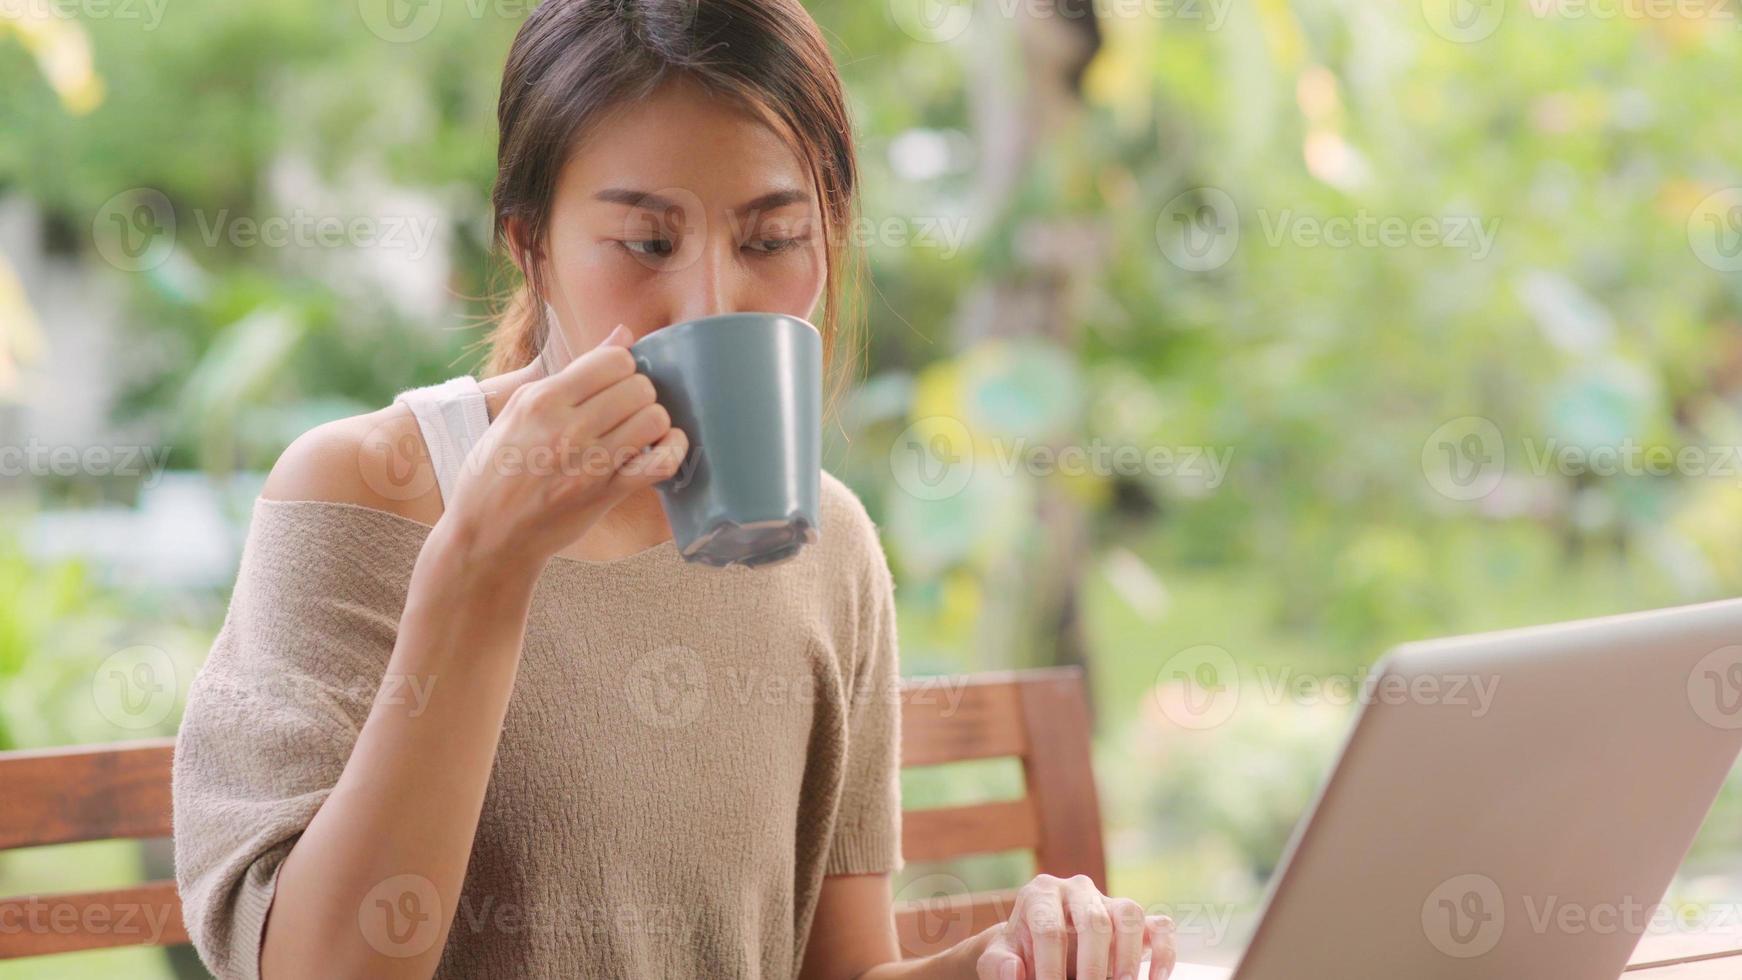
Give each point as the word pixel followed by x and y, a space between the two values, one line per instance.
pixel 611 407
pixel 1001 960
pixel 1043 919
pixel 659 462
pixel 588 374
pixel 1162 952
pixel 646 426
pixel 1128 935
pixel 1092 924
pixel 1111 935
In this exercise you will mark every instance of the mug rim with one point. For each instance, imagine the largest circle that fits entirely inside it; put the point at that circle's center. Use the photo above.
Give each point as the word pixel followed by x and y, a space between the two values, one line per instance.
pixel 689 326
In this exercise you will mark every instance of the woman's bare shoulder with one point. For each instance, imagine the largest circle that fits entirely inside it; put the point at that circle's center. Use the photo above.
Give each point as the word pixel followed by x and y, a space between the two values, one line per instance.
pixel 377 459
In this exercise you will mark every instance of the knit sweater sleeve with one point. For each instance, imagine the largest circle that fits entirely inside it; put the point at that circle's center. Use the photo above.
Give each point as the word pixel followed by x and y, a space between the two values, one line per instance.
pixel 867 837
pixel 272 716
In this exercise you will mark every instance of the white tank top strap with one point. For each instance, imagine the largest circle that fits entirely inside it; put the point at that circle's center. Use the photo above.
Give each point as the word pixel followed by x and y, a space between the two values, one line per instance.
pixel 452 417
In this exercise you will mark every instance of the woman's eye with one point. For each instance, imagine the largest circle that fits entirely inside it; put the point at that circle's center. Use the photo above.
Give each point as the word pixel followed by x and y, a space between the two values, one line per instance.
pixel 658 248
pixel 774 246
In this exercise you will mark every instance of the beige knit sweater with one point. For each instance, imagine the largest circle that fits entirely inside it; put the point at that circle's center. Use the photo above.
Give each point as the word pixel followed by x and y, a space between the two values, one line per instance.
pixel 688 751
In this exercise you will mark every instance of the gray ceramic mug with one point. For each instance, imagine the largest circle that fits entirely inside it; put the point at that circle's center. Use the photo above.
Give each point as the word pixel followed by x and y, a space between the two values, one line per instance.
pixel 747 390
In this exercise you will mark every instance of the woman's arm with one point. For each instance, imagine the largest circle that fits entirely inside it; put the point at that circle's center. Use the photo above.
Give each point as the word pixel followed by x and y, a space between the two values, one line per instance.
pixel 372 884
pixel 371 887
pixel 853 938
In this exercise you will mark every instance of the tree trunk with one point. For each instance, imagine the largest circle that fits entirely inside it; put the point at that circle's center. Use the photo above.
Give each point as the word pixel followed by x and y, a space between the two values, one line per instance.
pixel 1026 95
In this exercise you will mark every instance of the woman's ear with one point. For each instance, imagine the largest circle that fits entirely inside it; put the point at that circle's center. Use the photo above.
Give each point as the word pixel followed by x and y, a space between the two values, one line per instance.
pixel 519 249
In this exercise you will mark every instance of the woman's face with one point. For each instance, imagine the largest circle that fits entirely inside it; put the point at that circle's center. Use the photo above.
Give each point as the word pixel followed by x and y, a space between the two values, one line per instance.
pixel 681 206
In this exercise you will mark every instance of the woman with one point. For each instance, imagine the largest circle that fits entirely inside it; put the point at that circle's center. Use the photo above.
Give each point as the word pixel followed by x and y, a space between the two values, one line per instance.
pixel 469 715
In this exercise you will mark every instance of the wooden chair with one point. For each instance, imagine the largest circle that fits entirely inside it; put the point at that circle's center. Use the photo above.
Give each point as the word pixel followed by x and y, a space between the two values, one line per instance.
pixel 1038 716
pixel 87 793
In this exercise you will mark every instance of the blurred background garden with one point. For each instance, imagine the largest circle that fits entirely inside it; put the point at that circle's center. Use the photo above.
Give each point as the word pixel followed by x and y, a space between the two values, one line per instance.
pixel 1213 345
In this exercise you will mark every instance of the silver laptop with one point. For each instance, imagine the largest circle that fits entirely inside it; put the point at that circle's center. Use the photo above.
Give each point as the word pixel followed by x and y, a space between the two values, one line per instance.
pixel 1526 834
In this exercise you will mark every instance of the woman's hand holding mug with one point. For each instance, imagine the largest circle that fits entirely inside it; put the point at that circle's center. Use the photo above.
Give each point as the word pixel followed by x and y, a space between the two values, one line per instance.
pixel 563 451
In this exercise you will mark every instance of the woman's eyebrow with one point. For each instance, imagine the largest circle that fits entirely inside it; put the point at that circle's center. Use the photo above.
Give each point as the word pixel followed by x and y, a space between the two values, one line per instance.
pixel 651 201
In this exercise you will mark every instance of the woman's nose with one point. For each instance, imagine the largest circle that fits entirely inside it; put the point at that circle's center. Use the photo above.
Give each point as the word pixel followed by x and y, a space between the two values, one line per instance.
pixel 707 285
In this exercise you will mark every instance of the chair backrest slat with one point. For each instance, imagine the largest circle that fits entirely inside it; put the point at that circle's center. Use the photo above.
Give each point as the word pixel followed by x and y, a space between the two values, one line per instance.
pixel 87 793
pixel 957 719
pixel 1038 716
pixel 143 915
pixel 980 828
pixel 1060 763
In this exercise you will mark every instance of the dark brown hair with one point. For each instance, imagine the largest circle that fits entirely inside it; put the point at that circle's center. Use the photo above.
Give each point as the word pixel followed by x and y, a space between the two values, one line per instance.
pixel 574 60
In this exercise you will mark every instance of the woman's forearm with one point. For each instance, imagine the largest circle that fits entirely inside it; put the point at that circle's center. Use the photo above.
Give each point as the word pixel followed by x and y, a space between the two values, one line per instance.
pixel 956 963
pixel 396 832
